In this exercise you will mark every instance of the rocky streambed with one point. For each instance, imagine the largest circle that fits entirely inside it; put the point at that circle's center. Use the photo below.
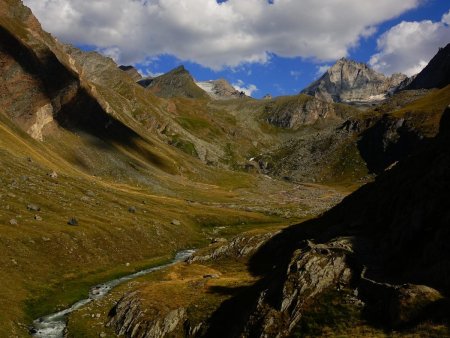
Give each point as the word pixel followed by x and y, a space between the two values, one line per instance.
pixel 54 325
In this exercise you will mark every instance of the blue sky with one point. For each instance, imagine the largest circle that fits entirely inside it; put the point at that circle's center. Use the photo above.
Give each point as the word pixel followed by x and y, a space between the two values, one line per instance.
pixel 275 47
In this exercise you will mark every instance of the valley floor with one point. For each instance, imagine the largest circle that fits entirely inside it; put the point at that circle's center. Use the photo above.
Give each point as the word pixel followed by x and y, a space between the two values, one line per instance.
pixel 47 264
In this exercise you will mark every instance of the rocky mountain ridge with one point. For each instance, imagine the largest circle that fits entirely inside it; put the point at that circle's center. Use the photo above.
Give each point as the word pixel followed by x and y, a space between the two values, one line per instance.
pixel 350 81
pixel 176 83
pixel 220 89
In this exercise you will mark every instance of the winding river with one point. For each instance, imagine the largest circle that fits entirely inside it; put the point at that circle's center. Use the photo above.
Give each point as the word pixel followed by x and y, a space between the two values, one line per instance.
pixel 54 325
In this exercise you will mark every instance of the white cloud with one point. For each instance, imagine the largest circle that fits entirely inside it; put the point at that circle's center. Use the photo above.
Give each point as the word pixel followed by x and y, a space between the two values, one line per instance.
pixel 320 70
pixel 146 72
pixel 446 18
pixel 217 35
pixel 247 89
pixel 112 52
pixel 409 46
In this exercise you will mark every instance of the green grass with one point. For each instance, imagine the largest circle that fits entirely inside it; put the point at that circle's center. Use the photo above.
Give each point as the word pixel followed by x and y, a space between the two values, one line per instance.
pixel 192 123
pixel 178 286
pixel 426 111
pixel 186 146
pixel 65 293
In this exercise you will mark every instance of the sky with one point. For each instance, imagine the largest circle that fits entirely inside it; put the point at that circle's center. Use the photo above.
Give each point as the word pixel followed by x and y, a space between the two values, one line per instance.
pixel 262 47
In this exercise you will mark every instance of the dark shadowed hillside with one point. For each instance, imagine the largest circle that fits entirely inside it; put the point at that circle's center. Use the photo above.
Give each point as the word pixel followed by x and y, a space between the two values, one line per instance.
pixel 436 74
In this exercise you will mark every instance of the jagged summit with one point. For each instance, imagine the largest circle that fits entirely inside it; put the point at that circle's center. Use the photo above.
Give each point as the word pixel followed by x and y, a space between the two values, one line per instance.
pixel 436 74
pixel 179 70
pixel 219 89
pixel 352 81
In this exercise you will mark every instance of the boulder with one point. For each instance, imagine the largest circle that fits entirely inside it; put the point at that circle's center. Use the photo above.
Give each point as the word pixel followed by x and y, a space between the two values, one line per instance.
pixel 33 207
pixel 72 221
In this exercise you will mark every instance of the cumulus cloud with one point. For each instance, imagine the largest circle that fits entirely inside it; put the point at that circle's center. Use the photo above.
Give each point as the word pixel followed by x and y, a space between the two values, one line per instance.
pixel 247 89
pixel 320 70
pixel 408 47
pixel 446 18
pixel 215 34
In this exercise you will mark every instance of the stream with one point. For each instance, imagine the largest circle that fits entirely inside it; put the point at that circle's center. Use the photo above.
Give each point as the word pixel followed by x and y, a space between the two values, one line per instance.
pixel 54 325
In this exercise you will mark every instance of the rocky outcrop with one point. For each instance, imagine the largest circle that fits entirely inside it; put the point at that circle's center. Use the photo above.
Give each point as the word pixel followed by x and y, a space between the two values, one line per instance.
pixel 297 111
pixel 394 304
pixel 219 89
pixel 312 270
pixel 436 74
pixel 127 319
pixel 405 83
pixel 238 247
pixel 131 319
pixel 34 84
pixel 350 81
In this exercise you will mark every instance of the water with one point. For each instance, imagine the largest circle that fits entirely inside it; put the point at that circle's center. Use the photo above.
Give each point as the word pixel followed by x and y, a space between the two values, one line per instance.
pixel 54 325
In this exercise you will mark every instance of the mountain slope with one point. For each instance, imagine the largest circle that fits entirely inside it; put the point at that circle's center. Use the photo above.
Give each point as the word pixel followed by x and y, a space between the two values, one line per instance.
pixel 436 74
pixel 350 81
pixel 377 264
pixel 132 72
pixel 176 83
pixel 381 257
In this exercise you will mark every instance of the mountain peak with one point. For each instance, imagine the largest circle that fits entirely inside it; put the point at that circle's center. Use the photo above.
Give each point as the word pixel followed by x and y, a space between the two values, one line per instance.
pixel 351 81
pixel 176 83
pixel 179 69
pixel 350 63
pixel 219 89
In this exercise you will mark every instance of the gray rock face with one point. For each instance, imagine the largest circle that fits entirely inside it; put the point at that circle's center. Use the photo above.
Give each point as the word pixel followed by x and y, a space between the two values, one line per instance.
pixel 350 81
pixel 240 246
pixel 312 270
pixel 129 320
pixel 298 112
pixel 219 89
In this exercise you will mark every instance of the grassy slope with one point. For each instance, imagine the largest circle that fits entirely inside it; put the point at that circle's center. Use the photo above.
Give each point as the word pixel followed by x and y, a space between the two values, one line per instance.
pixel 180 286
pixel 422 108
pixel 49 264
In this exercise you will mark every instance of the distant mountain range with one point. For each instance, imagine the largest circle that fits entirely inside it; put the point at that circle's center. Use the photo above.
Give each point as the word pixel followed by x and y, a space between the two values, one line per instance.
pixel 346 81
